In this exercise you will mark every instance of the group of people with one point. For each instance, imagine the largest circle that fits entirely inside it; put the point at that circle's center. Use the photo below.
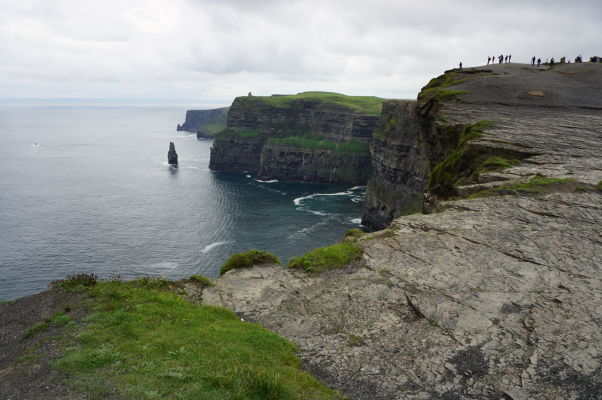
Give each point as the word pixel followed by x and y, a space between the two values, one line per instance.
pixel 501 59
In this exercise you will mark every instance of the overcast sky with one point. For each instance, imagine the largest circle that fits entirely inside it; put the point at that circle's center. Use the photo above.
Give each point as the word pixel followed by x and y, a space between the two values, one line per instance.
pixel 213 50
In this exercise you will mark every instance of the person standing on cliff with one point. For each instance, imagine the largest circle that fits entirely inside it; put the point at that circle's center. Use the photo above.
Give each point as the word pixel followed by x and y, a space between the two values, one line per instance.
pixel 501 58
pixel 488 60
pixel 510 58
pixel 538 62
pixel 533 61
pixel 460 66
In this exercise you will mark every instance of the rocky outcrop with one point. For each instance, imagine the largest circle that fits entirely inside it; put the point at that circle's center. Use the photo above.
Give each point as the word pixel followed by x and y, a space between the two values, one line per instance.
pixel 489 298
pixel 464 120
pixel 206 123
pixel 172 156
pixel 494 298
pixel 331 135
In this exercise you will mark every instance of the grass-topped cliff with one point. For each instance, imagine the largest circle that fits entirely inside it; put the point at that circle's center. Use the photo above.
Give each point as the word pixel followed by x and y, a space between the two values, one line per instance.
pixel 360 104
pixel 143 339
pixel 310 136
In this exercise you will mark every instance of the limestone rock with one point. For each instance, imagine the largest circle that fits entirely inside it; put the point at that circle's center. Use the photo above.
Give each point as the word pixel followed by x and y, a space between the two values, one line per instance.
pixel 172 156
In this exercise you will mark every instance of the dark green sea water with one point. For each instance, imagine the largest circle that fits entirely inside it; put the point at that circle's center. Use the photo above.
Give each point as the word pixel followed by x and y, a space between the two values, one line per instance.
pixel 95 195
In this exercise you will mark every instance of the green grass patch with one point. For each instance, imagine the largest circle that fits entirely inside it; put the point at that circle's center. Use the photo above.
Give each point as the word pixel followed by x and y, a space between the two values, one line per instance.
pixel 203 280
pixel 455 165
pixel 354 234
pixel 355 341
pixel 149 343
pixel 57 319
pixel 334 256
pixel 437 89
pixel 75 283
pixel 537 185
pixel 361 104
pixel 351 146
pixel 248 259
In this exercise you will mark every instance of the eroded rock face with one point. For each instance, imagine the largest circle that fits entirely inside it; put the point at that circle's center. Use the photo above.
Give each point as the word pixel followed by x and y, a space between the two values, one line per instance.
pixel 493 298
pixel 254 121
pixel 172 156
pixel 496 298
pixel 548 119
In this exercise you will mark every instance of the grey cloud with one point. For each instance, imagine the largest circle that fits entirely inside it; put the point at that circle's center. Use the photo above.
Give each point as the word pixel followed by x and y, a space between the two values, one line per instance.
pixel 218 49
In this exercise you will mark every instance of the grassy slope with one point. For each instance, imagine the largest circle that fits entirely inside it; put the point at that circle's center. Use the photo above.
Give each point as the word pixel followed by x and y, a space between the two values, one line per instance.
pixel 144 342
pixel 363 104
pixel 350 146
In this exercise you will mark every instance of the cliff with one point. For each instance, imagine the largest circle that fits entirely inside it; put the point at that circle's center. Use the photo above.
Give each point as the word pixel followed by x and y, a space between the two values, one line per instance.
pixel 496 295
pixel 466 133
pixel 206 123
pixel 313 136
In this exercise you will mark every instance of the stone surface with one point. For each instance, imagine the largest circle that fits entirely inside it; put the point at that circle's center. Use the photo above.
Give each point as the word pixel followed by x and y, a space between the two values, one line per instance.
pixel 493 298
pixel 497 298
pixel 172 156
pixel 550 119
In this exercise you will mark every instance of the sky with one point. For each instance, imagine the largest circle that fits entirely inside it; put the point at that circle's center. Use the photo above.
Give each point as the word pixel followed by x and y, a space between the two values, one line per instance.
pixel 210 51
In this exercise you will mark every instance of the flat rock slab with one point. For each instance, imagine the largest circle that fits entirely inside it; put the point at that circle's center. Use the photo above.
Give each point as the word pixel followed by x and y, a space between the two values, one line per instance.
pixel 497 298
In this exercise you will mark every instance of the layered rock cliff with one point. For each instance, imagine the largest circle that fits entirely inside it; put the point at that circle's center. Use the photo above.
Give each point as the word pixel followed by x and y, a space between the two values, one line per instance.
pixel 313 136
pixel 498 295
pixel 466 133
pixel 206 123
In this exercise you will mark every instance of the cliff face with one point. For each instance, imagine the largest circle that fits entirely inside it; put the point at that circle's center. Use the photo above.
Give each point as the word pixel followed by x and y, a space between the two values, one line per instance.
pixel 495 296
pixel 465 134
pixel 205 123
pixel 314 136
pixel 400 165
pixel 289 162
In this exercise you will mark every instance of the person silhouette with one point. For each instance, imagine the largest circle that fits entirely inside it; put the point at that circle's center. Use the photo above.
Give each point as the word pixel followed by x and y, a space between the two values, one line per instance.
pixel 510 58
pixel 533 61
pixel 501 58
pixel 538 62
pixel 460 66
pixel 488 60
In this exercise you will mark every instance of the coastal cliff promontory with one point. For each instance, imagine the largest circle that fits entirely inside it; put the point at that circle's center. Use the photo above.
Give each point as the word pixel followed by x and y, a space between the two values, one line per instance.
pixel 494 295
pixel 313 136
pixel 206 123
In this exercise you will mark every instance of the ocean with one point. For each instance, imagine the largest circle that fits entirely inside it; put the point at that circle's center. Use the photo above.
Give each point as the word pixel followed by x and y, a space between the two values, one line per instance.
pixel 87 189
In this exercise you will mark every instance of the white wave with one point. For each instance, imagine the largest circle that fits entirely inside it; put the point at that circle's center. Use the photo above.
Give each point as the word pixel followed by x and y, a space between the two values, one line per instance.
pixel 356 221
pixel 211 246
pixel 298 200
pixel 270 181
pixel 316 212
pixel 357 199
pixel 248 176
pixel 357 187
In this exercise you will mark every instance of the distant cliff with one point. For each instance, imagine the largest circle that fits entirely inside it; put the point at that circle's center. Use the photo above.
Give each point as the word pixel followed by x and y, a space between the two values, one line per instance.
pixel 205 123
pixel 313 136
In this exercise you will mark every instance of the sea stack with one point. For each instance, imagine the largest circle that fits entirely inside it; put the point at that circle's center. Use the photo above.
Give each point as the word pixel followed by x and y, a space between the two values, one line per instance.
pixel 172 156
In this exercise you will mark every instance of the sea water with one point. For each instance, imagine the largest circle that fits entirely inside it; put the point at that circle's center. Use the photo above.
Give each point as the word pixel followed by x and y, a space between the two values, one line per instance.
pixel 87 189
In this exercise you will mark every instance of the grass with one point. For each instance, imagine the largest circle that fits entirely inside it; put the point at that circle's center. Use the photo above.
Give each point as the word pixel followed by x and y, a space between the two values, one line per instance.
pixel 451 168
pixel 57 319
pixel 351 146
pixel 334 256
pixel 437 90
pixel 248 259
pixel 537 185
pixel 362 104
pixel 354 234
pixel 145 343
pixel 355 340
pixel 75 283
pixel 203 280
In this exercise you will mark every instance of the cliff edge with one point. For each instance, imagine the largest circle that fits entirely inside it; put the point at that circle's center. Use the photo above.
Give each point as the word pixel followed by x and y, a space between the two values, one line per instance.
pixel 497 295
pixel 312 136
pixel 206 123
